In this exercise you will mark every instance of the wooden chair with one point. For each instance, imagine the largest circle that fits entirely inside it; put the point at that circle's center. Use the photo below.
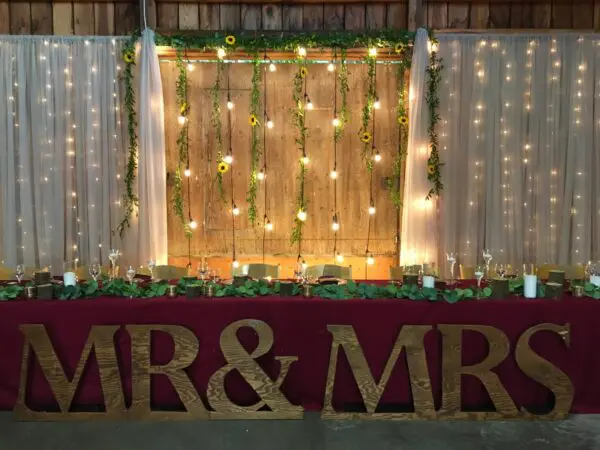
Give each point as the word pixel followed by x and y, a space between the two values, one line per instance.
pixel 170 272
pixel 467 272
pixel 333 270
pixel 262 271
pixel 239 271
pixel 315 271
pixel 396 273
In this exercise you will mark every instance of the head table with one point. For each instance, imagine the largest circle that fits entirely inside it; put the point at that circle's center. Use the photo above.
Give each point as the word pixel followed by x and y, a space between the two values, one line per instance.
pixel 300 329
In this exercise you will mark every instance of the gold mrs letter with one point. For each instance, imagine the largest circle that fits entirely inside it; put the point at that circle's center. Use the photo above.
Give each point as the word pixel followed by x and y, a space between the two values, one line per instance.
pixel 410 337
pixel 101 339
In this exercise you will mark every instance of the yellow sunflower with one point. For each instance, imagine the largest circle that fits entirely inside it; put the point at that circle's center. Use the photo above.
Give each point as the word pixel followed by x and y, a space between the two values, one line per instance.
pixel 303 72
pixel 230 40
pixel 252 120
pixel 403 120
pixel 223 167
pixel 399 48
pixel 129 57
pixel 365 137
pixel 184 108
pixel 430 169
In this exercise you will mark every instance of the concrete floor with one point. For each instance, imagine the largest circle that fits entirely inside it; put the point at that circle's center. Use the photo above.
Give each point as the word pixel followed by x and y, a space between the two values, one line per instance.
pixel 577 433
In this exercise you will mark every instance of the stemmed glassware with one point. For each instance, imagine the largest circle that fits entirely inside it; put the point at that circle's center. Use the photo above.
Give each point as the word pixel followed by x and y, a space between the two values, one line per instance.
pixel 19 272
pixel 216 276
pixel 203 270
pixel 94 270
pixel 479 273
pixel 113 256
pixel 501 270
pixel 487 258
pixel 451 259
pixel 130 274
pixel 151 267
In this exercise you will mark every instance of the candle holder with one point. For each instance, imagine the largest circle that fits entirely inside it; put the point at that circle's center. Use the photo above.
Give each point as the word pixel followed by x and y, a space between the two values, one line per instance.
pixel 556 276
pixel 44 292
pixel 499 288
pixel 410 279
pixel 41 278
pixel 209 290
pixel 578 290
pixel 30 292
pixel 306 291
pixel 172 291
pixel 554 291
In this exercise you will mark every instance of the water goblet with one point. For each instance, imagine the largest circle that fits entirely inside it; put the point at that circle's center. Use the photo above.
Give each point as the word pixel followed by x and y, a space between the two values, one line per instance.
pixel 479 273
pixel 501 270
pixel 451 259
pixel 19 272
pixel 487 258
pixel 113 256
pixel 130 274
pixel 203 270
pixel 151 267
pixel 94 270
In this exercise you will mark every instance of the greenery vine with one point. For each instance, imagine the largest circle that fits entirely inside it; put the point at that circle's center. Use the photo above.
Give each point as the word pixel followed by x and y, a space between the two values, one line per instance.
pixel 299 121
pixel 217 125
pixel 181 90
pixel 255 151
pixel 367 113
pixel 130 199
pixel 343 114
pixel 434 162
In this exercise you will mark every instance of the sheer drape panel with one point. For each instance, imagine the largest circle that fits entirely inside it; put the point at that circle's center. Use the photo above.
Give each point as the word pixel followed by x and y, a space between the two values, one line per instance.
pixel 520 142
pixel 61 163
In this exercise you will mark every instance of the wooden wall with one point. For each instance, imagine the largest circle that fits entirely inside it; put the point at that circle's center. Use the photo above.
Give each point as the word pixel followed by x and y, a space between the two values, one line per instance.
pixel 120 17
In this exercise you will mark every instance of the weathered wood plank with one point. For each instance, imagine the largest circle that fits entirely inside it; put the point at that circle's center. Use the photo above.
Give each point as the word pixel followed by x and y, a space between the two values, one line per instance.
pixel 20 18
pixel 397 15
pixel 127 17
pixel 83 18
pixel 292 17
pixel 354 17
pixel 251 17
pixel 499 16
pixel 271 17
pixel 230 17
pixel 597 16
pixel 521 16
pixel 437 16
pixel 312 19
pixel 104 19
pixel 583 16
pixel 542 15
pixel 562 16
pixel 417 14
pixel 4 18
pixel 167 16
pixel 458 16
pixel 41 18
pixel 480 16
pixel 62 19
pixel 375 16
pixel 334 17
pixel 209 16
pixel 188 17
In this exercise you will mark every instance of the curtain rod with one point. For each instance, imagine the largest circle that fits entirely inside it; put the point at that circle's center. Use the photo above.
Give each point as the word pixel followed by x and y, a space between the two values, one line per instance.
pixel 274 61
pixel 55 38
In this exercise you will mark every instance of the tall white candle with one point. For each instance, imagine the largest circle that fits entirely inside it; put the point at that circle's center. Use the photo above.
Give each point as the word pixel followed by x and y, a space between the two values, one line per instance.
pixel 530 286
pixel 428 281
pixel 69 279
pixel 595 280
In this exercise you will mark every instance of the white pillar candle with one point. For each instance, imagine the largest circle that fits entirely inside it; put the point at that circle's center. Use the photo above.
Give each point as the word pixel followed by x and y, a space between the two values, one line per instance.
pixel 428 281
pixel 530 286
pixel 595 280
pixel 69 279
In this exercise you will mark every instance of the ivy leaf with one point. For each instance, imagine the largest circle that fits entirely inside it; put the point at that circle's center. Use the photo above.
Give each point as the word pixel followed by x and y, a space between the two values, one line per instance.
pixel 451 296
pixel 487 292
pixel 468 293
pixel 430 294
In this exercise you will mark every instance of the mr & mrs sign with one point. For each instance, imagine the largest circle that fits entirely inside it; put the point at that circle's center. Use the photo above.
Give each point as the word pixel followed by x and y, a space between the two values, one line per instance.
pixel 410 339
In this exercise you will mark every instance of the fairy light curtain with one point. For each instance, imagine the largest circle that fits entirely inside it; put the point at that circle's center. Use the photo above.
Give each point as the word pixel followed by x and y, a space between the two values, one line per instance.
pixel 519 133
pixel 62 149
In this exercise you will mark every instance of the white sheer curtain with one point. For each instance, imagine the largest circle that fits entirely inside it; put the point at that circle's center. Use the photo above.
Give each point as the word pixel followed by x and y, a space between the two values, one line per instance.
pixel 62 149
pixel 418 244
pixel 520 139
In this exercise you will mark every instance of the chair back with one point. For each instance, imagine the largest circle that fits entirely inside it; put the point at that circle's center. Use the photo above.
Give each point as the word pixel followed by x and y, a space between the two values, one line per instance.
pixel 314 271
pixel 170 272
pixel 333 270
pixel 263 271
pixel 396 273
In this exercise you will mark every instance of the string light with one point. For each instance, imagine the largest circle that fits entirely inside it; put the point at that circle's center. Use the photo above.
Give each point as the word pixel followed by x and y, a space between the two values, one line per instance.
pixel 193 224
pixel 235 264
pixel 268 225
pixel 335 225
pixel 235 210
pixel 229 103
pixel 305 160
pixel 228 158
pixel 370 259
pixel 301 52
pixel 270 123
pixel 372 52
pixel 301 215
pixel 190 67
pixel 333 174
pixel 339 258
pixel 372 208
pixel 377 156
pixel 261 174
pixel 377 104
pixel 221 53
pixel 272 67
pixel 336 122
pixel 187 172
pixel 182 120
pixel 309 104
pixel 331 67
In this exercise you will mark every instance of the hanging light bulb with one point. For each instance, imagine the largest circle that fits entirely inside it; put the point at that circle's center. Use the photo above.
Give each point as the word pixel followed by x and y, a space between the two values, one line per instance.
pixel 235 210
pixel 339 258
pixel 333 174
pixel 372 52
pixel 370 259
pixel 272 67
pixel 301 215
pixel 229 103
pixel 228 158
pixel 190 67
pixel 261 174
pixel 268 225
pixel 305 160
pixel 376 156
pixel 301 52
pixel 335 225
pixel 193 224
pixel 182 120
pixel 221 53
pixel 335 122
pixel 235 264
pixel 331 66
pixel 187 172
pixel 309 104
pixel 270 123
pixel 377 103
pixel 304 265
pixel 372 208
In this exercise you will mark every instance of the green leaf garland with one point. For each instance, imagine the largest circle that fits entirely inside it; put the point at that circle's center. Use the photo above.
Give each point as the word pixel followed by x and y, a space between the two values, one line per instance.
pixel 255 151
pixel 343 115
pixel 434 162
pixel 181 90
pixel 367 113
pixel 217 125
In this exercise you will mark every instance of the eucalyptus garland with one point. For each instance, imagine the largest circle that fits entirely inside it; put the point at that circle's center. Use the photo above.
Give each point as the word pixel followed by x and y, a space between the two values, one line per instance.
pixel 254 143
pixel 181 89
pixel 216 123
pixel 367 113
pixel 130 200
pixel 299 121
pixel 434 162
pixel 343 115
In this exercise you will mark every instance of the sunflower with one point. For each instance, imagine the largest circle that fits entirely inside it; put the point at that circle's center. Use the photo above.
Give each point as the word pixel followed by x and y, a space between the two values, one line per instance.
pixel 183 109
pixel 223 167
pixel 430 169
pixel 403 120
pixel 303 72
pixel 252 120
pixel 129 57
pixel 399 48
pixel 365 137
pixel 230 40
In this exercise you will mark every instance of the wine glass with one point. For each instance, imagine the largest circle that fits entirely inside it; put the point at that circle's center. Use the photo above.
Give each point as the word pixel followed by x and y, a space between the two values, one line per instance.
pixel 479 273
pixel 151 267
pixel 487 257
pixel 94 270
pixel 203 270
pixel 19 272
pixel 451 259
pixel 113 256
pixel 501 270
pixel 130 274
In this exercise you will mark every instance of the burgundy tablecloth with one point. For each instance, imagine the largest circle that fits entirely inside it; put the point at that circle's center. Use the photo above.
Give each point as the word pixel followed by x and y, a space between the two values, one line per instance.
pixel 300 329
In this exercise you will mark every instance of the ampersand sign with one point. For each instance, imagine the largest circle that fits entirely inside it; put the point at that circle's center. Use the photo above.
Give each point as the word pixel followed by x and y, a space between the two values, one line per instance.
pixel 238 359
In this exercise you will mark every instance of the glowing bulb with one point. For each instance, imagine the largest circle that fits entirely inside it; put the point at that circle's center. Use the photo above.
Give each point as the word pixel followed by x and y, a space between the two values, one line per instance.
pixel 301 215
pixel 193 224
pixel 370 260
pixel 305 160
pixel 221 53
pixel 187 172
pixel 371 210
pixel 182 120
pixel 330 67
pixel 228 159
pixel 377 104
pixel 235 264
pixel 269 226
pixel 434 46
pixel 270 124
pixel 272 67
pixel 190 67
pixel 335 122
pixel 377 156
pixel 333 174
pixel 229 105
pixel 304 265
pixel 261 175
pixel 309 105
pixel 372 52
pixel 301 52
pixel 339 258
pixel 235 210
pixel 335 226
